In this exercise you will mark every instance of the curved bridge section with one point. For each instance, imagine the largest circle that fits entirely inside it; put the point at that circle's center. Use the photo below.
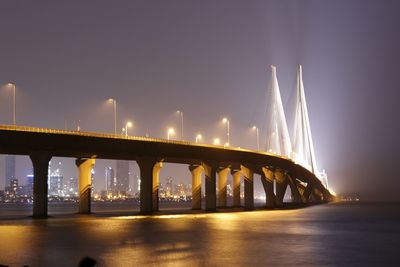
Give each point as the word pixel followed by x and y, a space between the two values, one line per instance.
pixel 214 161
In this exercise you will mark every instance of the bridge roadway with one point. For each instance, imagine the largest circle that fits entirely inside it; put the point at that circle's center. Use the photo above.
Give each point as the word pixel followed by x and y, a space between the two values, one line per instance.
pixel 215 161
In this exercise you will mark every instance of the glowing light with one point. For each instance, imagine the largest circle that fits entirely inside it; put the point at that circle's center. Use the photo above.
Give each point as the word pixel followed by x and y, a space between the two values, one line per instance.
pixel 216 141
pixel 114 102
pixel 226 120
pixel 171 131
pixel 198 137
pixel 257 136
pixel 180 112
pixel 12 85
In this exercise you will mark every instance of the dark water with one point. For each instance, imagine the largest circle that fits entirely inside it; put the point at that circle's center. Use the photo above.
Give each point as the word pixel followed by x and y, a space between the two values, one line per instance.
pixel 339 234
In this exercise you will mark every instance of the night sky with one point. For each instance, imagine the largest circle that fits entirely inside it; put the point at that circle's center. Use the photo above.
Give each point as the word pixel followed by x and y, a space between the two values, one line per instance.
pixel 211 59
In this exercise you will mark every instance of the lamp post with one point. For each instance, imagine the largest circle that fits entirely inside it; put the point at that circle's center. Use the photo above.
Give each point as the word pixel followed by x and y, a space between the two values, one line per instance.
pixel 198 137
pixel 115 113
pixel 171 131
pixel 257 136
pixel 226 120
pixel 180 112
pixel 12 85
pixel 127 125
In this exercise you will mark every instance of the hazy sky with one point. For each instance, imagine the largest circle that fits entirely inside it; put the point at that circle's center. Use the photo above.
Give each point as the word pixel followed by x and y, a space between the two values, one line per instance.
pixel 211 59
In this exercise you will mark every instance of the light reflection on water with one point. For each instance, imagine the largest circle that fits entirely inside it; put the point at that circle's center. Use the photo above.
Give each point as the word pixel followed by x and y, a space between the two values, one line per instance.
pixel 334 234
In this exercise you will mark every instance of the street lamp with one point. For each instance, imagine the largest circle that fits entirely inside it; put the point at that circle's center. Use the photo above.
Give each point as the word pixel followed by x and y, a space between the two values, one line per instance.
pixel 180 112
pixel 112 100
pixel 12 85
pixel 171 131
pixel 198 137
pixel 226 120
pixel 216 141
pixel 257 136
pixel 127 125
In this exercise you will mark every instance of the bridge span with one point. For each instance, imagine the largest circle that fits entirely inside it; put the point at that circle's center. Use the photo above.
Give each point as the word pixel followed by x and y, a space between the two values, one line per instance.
pixel 214 161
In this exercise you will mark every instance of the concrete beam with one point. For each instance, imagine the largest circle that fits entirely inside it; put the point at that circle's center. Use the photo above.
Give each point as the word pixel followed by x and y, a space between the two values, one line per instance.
pixel 210 169
pixel 40 162
pixel 236 174
pixel 85 167
pixel 248 188
pixel 222 184
pixel 196 171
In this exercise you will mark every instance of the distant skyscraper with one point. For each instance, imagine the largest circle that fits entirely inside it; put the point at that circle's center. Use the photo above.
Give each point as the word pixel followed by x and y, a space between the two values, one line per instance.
pixel 122 185
pixel 168 187
pixel 135 186
pixel 10 169
pixel 29 184
pixel 55 181
pixel 70 187
pixel 109 173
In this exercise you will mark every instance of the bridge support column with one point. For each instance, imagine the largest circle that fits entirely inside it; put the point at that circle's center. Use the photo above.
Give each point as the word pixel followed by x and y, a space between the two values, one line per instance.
pixel 222 183
pixel 267 179
pixel 210 170
pixel 146 166
pixel 196 171
pixel 281 185
pixel 296 196
pixel 40 162
pixel 236 174
pixel 248 188
pixel 307 192
pixel 85 167
pixel 156 183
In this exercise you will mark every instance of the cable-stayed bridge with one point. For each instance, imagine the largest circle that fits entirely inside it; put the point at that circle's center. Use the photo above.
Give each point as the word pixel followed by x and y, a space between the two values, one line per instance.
pixel 284 164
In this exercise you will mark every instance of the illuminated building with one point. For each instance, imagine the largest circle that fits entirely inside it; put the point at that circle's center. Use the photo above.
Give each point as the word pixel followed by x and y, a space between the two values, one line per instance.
pixel 10 161
pixel 55 181
pixel 110 179
pixel 168 187
pixel 70 187
pixel 122 177
pixel 29 184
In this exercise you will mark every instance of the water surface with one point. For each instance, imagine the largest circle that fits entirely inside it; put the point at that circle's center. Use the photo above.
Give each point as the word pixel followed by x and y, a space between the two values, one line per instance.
pixel 337 234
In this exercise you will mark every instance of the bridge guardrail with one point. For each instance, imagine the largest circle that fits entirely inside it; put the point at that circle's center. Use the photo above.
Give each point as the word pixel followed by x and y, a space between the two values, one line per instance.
pixel 123 137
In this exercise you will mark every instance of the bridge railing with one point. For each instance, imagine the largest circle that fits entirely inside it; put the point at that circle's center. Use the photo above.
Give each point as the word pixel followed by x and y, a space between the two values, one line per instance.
pixel 22 128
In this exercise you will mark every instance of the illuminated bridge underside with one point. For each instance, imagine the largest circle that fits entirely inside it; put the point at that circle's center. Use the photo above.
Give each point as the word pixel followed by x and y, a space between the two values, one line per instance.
pixel 149 153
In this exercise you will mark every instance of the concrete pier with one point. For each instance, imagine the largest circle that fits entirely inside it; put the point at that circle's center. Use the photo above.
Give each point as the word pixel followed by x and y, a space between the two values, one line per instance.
pixel 267 179
pixel 222 184
pixel 281 185
pixel 40 162
pixel 196 171
pixel 210 169
pixel 296 196
pixel 236 174
pixel 85 167
pixel 156 182
pixel 248 176
pixel 146 166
